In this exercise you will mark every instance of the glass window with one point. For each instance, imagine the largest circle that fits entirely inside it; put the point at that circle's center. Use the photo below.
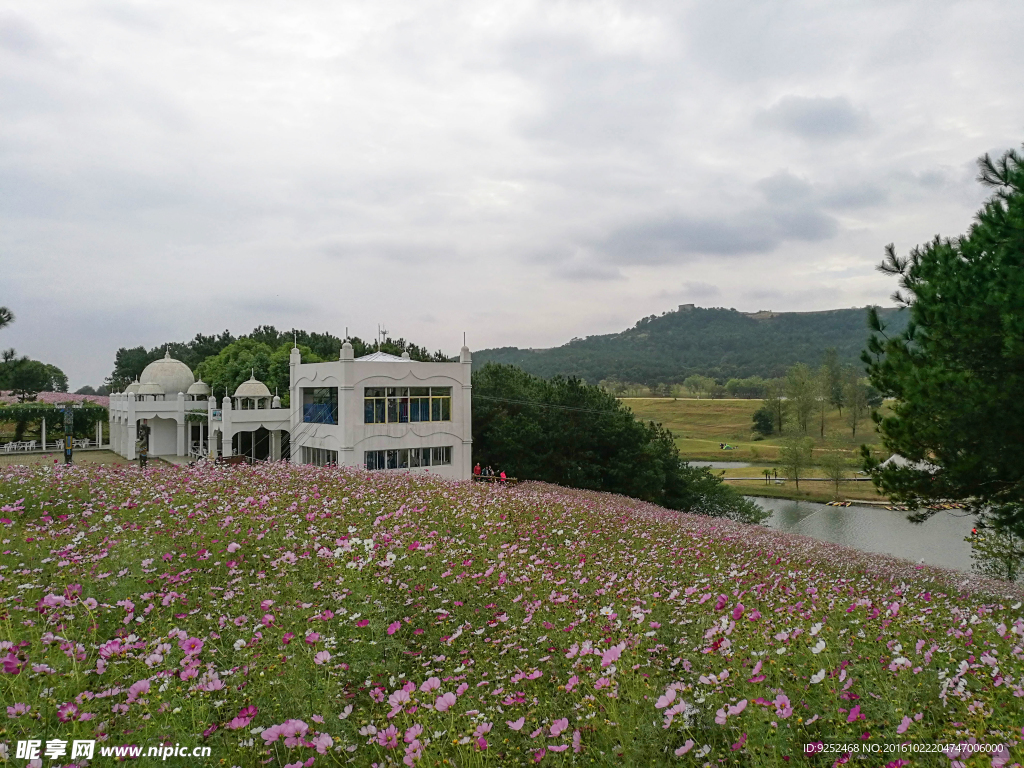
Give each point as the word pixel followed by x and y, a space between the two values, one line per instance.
pixel 406 458
pixel 374 403
pixel 320 405
pixel 401 405
pixel 440 403
pixel 320 457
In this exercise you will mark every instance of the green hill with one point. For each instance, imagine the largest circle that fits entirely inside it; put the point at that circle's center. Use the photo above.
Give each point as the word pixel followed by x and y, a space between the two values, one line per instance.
pixel 721 343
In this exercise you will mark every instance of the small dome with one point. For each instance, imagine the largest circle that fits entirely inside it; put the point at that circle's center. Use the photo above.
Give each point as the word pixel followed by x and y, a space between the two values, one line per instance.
pixel 199 388
pixel 171 375
pixel 150 389
pixel 252 388
pixel 133 387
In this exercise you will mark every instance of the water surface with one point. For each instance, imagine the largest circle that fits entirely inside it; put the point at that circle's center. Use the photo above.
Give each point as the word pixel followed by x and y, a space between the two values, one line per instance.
pixel 939 541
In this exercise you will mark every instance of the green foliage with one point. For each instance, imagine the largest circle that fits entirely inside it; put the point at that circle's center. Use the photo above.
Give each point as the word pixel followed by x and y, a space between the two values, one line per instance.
pixel 833 464
pixel 241 359
pixel 23 414
pixel 764 421
pixel 997 552
pixel 129 363
pixel 6 317
pixel 795 457
pixel 88 390
pixel 718 343
pixel 801 392
pixel 567 432
pixel 27 378
pixel 957 370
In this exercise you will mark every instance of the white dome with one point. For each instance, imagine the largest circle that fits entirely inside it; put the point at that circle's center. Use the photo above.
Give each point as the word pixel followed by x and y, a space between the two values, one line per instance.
pixel 133 387
pixel 252 388
pixel 199 388
pixel 173 376
pixel 150 389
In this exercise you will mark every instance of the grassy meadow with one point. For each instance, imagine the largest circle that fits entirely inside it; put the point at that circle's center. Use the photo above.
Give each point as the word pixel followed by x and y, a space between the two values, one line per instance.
pixel 304 616
pixel 700 426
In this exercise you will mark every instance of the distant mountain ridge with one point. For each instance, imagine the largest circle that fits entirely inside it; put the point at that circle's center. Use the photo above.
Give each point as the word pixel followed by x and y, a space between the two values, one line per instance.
pixel 721 343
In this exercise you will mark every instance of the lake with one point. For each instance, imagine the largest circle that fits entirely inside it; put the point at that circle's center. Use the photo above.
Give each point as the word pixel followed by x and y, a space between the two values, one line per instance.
pixel 939 541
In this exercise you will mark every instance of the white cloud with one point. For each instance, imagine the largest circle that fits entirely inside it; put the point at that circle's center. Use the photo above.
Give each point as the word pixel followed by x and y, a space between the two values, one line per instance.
pixel 529 171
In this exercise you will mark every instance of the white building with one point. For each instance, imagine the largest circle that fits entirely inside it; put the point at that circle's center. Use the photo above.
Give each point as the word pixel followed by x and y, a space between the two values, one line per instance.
pixel 377 411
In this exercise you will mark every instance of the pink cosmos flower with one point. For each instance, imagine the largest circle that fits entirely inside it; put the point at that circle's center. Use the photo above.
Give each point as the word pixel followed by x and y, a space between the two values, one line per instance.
pixel 516 725
pixel 321 658
pixel 612 655
pixel 90 603
pixel 737 612
pixel 322 742
pixel 399 698
pixel 137 689
pixel 312 637
pixel 18 710
pixel 904 725
pixel 411 734
pixel 394 627
pixel 192 646
pixel 571 683
pixel 721 602
pixel 388 737
pixel 668 698
pixel 445 702
pixel 233 547
pixel 559 726
pixel 288 637
pixel 685 748
pixel 430 684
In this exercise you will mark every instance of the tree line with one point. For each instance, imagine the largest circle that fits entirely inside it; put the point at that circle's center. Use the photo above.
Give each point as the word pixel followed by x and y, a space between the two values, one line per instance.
pixel 565 431
pixel 800 402
pixel 224 361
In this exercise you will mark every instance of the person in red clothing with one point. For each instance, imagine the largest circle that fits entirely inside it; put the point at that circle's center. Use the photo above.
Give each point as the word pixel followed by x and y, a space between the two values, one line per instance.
pixel 476 470
pixel 502 475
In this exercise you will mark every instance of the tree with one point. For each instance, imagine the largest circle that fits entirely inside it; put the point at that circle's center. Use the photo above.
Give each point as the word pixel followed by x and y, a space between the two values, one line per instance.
pixel 832 372
pixel 997 552
pixel 29 378
pixel 823 385
pixel 956 372
pixel 699 385
pixel 855 393
pixel 6 317
pixel 833 463
pixel 764 421
pixel 776 402
pixel 568 432
pixel 801 391
pixel 795 457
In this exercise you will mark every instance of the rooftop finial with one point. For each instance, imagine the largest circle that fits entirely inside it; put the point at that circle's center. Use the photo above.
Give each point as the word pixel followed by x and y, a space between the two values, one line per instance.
pixel 295 340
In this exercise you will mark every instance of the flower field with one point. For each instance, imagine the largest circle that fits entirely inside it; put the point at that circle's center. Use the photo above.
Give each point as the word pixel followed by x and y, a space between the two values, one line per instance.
pixel 300 616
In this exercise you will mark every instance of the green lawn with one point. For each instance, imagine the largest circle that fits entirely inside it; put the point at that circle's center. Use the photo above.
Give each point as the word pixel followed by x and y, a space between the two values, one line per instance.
pixel 700 426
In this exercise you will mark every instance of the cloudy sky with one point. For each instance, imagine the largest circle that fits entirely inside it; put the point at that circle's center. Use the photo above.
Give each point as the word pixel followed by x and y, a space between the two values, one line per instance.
pixel 522 171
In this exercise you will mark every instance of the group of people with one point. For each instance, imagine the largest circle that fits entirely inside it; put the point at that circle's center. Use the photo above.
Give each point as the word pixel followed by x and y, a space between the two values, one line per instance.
pixel 489 473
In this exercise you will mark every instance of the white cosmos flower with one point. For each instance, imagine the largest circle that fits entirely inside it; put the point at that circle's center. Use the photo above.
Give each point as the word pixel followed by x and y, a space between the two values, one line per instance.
pixel 781 650
pixel 819 647
pixel 818 677
pixel 816 628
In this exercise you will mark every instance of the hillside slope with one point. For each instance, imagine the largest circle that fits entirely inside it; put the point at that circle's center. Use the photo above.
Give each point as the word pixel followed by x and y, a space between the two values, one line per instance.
pixel 300 616
pixel 722 343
